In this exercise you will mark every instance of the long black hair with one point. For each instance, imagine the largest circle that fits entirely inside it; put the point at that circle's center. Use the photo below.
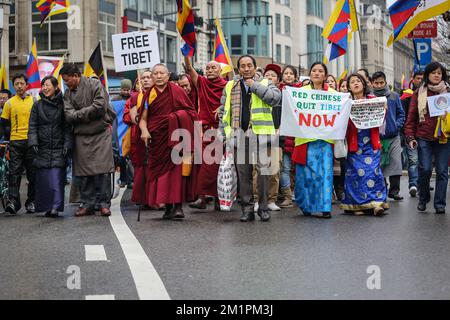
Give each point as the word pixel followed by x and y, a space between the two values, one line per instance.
pixel 430 69
pixel 326 72
pixel 366 90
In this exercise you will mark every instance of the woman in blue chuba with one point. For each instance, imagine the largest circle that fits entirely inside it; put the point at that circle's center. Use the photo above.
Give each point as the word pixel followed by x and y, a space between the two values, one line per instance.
pixel 365 189
pixel 314 161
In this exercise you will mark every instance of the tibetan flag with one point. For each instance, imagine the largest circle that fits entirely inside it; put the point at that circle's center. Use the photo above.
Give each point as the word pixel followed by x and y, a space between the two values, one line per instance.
pixel 34 80
pixel 407 14
pixel 221 54
pixel 337 29
pixel 56 74
pixel 95 66
pixel 4 83
pixel 49 8
pixel 186 28
pixel 343 76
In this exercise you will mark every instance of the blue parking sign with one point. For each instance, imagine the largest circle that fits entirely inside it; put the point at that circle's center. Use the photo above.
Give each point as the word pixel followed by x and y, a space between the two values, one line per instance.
pixel 423 51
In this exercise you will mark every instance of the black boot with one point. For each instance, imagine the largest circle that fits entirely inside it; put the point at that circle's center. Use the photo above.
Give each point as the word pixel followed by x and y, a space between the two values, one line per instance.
pixel 168 213
pixel 247 216
pixel 264 215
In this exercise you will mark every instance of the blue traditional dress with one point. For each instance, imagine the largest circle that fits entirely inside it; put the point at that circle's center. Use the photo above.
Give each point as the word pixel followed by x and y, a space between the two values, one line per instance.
pixel 314 182
pixel 314 179
pixel 364 186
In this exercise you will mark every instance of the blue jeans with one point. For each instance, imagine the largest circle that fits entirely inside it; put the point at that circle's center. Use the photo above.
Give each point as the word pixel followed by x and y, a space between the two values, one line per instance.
pixel 285 175
pixel 412 160
pixel 441 152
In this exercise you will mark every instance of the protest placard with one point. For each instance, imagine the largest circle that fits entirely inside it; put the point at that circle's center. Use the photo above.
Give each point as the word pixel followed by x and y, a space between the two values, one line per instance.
pixel 314 114
pixel 369 113
pixel 439 105
pixel 135 50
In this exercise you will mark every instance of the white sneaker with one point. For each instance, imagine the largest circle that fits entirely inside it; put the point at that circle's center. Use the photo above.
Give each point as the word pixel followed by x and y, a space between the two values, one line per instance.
pixel 273 207
pixel 256 208
pixel 413 192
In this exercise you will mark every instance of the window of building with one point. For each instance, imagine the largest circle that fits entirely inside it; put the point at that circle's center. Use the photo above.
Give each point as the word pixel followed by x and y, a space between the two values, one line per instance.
pixel 236 44
pixel 314 8
pixel 251 47
pixel 365 55
pixel 264 45
pixel 53 34
pixel 278 53
pixel 288 55
pixel 106 24
pixel 235 8
pixel 12 29
pixel 251 7
pixel 287 25
pixel 277 23
pixel 315 43
pixel 171 50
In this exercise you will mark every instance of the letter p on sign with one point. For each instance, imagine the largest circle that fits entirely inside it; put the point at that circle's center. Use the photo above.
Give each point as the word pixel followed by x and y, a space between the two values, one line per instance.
pixel 423 50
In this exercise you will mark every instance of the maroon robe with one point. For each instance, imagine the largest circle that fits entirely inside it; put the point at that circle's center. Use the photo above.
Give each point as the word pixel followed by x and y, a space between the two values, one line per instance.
pixel 165 184
pixel 209 95
pixel 137 151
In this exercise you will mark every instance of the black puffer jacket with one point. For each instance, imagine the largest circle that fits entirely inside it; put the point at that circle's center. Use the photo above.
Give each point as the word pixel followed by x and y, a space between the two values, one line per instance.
pixel 49 132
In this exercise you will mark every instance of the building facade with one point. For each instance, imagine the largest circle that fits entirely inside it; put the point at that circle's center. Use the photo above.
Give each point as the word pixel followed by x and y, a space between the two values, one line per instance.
pixel 77 33
pixel 375 32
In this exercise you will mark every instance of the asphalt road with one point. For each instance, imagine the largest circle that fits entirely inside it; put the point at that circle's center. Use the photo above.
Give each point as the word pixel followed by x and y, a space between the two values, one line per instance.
pixel 212 256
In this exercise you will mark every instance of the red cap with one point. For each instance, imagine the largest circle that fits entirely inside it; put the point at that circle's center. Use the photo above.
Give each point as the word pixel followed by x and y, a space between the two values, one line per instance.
pixel 274 67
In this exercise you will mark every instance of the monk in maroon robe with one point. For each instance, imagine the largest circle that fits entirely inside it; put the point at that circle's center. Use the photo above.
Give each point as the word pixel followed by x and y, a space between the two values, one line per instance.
pixel 188 86
pixel 133 109
pixel 209 90
pixel 169 109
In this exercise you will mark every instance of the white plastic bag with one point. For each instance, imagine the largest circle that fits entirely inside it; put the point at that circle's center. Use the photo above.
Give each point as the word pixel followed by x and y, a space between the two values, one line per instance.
pixel 227 182
pixel 116 185
pixel 340 149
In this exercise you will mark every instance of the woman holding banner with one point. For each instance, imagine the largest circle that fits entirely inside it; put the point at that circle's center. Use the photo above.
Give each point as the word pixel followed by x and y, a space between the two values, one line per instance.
pixel 314 161
pixel 425 132
pixel 365 189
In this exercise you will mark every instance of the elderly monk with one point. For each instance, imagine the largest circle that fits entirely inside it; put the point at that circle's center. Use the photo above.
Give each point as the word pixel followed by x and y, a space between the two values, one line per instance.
pixel 133 108
pixel 209 90
pixel 168 109
pixel 188 86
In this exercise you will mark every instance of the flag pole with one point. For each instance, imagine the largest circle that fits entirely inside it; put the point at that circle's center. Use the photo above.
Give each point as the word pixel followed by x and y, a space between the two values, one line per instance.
pixel 105 70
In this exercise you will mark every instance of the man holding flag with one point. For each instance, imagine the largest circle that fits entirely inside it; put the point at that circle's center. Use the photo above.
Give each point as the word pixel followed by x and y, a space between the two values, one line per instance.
pixel 210 89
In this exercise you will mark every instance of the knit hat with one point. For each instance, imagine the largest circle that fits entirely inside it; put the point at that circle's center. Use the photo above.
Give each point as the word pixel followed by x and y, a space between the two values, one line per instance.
pixel 274 67
pixel 126 84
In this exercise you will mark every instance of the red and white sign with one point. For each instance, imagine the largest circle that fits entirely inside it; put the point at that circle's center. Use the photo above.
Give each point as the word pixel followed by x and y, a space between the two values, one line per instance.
pixel 426 29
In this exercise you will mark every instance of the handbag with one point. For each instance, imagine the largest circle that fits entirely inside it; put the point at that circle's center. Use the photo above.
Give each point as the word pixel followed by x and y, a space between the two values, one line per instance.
pixel 340 149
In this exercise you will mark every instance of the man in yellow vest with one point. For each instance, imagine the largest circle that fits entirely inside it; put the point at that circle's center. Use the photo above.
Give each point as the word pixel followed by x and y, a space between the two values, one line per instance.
pixel 246 115
pixel 16 114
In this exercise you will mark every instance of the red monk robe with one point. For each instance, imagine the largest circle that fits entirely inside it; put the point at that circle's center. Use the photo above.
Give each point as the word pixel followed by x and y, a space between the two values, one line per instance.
pixel 209 94
pixel 137 150
pixel 170 110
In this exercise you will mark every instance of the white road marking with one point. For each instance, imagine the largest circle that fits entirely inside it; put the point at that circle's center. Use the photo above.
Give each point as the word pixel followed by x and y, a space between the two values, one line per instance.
pixel 101 297
pixel 148 283
pixel 95 253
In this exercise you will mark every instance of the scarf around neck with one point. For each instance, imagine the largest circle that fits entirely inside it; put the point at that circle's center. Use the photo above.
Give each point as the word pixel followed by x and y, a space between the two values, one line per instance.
pixel 384 92
pixel 423 95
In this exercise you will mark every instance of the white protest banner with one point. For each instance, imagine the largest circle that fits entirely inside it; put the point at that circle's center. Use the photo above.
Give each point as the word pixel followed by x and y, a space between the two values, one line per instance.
pixel 135 50
pixel 314 114
pixel 369 113
pixel 439 105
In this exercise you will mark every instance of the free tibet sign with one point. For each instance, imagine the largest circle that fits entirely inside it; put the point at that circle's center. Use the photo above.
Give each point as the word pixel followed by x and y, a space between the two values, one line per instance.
pixel 135 50
pixel 426 29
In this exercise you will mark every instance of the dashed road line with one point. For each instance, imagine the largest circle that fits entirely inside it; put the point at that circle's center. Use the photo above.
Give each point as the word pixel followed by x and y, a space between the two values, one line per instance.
pixel 95 253
pixel 101 297
pixel 148 283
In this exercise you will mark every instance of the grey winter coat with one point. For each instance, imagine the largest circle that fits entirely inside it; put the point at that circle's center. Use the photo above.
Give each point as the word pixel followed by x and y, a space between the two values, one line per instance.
pixel 87 110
